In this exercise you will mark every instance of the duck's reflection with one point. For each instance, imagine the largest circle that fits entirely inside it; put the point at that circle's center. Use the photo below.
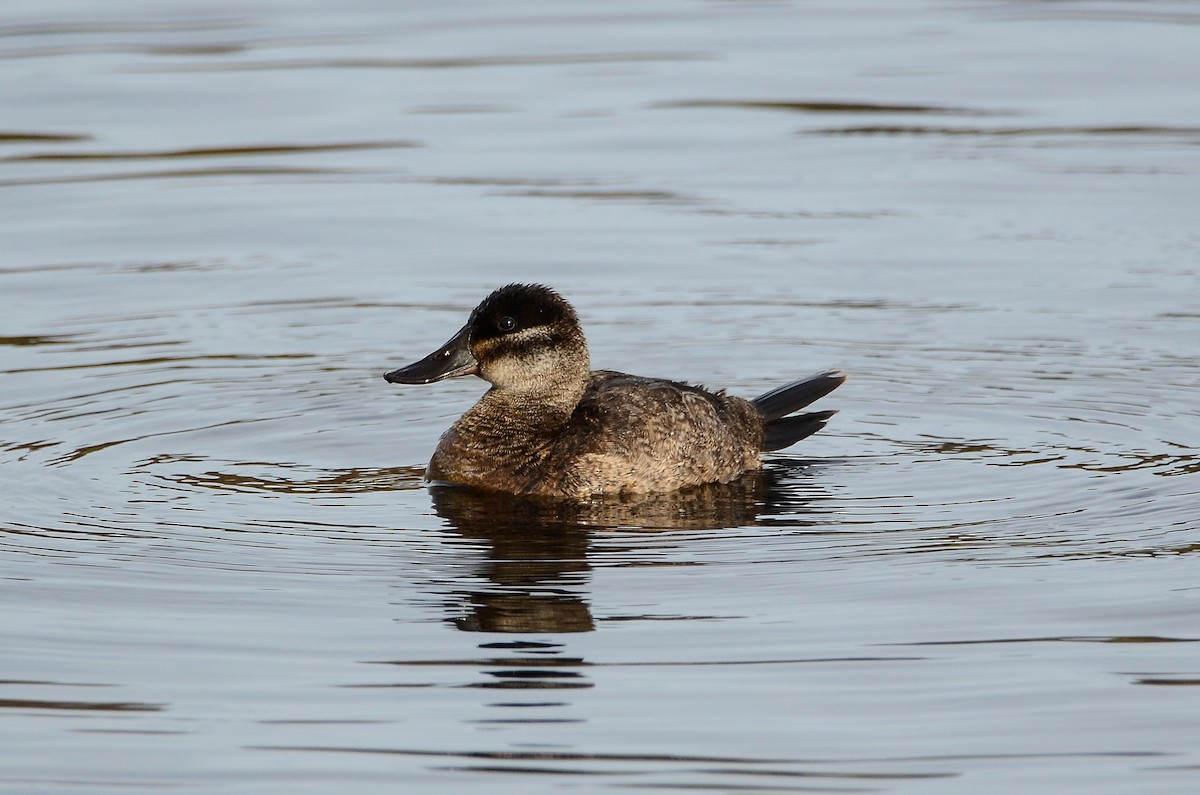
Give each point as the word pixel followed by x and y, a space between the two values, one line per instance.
pixel 536 565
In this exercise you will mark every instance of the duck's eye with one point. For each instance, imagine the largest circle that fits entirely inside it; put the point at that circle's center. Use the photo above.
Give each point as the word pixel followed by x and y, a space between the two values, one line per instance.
pixel 506 323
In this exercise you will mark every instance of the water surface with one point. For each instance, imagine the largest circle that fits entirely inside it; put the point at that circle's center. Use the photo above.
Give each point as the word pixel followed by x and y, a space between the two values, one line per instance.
pixel 221 568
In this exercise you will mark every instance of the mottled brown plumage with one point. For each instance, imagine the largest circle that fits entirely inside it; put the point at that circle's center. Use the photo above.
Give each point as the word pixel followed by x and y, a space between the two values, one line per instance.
pixel 551 426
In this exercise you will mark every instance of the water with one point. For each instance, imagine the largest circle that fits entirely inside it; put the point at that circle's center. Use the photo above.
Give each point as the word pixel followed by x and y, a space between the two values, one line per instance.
pixel 221 571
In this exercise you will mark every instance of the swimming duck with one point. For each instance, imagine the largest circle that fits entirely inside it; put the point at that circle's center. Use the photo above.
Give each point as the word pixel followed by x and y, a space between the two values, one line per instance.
pixel 551 426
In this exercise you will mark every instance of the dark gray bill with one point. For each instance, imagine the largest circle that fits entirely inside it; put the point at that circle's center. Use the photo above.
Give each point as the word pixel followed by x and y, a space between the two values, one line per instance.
pixel 452 360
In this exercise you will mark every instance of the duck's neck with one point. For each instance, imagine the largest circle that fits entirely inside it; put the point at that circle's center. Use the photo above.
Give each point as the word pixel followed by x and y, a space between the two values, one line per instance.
pixel 534 415
pixel 533 396
pixel 503 439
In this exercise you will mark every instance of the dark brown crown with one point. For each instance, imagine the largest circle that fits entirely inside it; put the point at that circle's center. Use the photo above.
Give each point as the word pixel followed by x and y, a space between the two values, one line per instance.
pixel 515 307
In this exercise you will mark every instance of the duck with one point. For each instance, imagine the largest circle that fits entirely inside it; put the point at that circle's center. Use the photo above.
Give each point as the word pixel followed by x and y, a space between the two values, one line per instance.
pixel 550 426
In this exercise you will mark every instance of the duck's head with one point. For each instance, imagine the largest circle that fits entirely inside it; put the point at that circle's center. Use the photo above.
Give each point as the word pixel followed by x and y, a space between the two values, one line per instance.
pixel 521 338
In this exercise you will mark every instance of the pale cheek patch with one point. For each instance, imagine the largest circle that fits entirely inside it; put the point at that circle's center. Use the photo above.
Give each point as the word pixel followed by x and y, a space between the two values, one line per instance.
pixel 523 359
pixel 515 371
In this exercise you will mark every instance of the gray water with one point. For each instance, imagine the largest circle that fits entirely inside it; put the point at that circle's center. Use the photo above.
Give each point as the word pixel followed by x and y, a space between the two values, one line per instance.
pixel 220 568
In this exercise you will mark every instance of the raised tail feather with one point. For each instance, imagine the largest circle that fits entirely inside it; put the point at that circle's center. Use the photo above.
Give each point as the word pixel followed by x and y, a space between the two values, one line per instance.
pixel 781 430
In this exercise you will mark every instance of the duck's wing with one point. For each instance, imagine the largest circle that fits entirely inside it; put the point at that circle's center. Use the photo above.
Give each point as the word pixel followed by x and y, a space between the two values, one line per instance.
pixel 632 402
pixel 711 421
pixel 651 434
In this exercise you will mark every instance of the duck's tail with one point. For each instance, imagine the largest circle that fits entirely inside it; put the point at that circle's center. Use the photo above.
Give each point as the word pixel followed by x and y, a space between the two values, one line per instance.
pixel 781 430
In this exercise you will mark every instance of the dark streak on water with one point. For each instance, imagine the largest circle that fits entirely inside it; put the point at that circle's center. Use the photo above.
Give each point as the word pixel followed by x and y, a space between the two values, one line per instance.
pixel 827 106
pixel 225 151
pixel 1009 132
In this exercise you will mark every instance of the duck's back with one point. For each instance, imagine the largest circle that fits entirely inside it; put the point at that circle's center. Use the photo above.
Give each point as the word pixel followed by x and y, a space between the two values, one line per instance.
pixel 634 434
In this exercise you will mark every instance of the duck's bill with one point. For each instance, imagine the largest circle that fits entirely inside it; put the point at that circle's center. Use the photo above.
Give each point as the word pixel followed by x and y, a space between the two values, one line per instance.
pixel 452 360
